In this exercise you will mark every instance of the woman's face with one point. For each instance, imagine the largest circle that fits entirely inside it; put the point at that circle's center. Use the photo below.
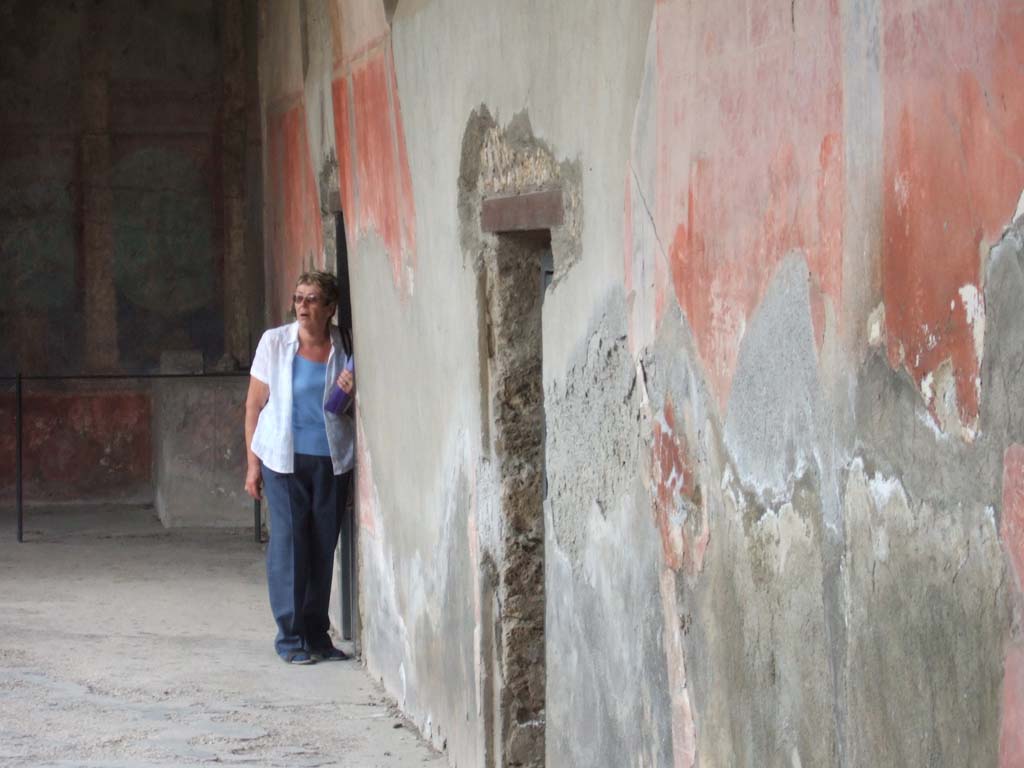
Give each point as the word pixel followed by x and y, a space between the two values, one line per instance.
pixel 310 310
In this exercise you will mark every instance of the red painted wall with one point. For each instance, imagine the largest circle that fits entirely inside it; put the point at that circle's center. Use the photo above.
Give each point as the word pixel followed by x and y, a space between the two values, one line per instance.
pixel 954 145
pixel 295 237
pixel 749 158
pixel 79 445
pixel 343 143
pixel 377 186
pixel 376 165
pixel 683 542
pixel 750 165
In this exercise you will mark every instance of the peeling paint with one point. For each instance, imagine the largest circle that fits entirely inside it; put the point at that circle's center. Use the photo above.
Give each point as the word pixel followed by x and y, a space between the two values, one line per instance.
pixel 926 388
pixel 974 308
pixel 767 536
pixel 877 327
pixel 680 514
pixel 725 220
pixel 883 489
pixel 954 137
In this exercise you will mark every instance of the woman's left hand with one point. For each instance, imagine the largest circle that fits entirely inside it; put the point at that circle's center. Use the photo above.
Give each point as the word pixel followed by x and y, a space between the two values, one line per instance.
pixel 346 382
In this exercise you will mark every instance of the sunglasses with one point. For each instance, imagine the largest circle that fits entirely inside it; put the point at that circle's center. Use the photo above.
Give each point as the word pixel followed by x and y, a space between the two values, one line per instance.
pixel 312 299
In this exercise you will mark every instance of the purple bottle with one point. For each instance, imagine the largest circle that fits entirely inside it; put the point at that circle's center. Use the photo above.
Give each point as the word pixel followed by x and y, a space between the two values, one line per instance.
pixel 338 399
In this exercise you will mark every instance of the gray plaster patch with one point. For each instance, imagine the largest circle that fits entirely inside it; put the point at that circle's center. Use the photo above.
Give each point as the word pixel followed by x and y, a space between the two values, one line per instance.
pixel 608 702
pixel 775 403
pixel 928 619
pixel 757 644
pixel 596 405
pixel 1002 418
pixel 897 436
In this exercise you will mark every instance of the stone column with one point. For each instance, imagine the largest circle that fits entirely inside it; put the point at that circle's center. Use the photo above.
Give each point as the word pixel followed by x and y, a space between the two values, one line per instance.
pixel 101 347
pixel 233 171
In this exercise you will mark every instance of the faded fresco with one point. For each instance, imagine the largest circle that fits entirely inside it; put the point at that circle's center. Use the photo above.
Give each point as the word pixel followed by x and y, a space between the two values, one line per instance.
pixel 736 199
pixel 112 200
pixel 294 241
pixel 369 137
pixel 780 351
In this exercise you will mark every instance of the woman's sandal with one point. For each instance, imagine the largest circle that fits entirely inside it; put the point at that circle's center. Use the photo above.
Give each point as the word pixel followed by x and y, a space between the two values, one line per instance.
pixel 298 657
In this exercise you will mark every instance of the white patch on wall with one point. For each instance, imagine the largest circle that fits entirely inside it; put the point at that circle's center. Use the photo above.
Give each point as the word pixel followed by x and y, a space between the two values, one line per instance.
pixel 974 308
pixel 939 392
pixel 1020 207
pixel 885 489
pixel 926 418
pixel 876 326
pixel 790 525
pixel 901 186
pixel 927 390
pixel 641 380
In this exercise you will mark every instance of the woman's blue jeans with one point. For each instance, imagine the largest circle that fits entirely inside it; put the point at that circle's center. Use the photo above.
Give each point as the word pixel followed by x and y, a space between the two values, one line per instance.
pixel 305 519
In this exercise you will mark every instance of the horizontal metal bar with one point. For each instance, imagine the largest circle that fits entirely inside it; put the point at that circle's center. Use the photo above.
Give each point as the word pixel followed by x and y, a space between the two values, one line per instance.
pixel 114 376
pixel 18 458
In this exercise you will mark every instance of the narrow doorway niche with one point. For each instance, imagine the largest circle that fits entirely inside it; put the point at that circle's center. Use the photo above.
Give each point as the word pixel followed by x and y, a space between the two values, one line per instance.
pixel 518 278
pixel 349 587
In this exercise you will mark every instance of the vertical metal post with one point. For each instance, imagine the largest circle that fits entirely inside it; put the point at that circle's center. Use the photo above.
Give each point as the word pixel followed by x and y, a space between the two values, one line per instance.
pixel 257 521
pixel 17 456
pixel 346 561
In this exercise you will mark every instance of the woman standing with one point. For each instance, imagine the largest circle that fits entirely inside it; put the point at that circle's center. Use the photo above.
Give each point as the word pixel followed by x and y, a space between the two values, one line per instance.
pixel 301 457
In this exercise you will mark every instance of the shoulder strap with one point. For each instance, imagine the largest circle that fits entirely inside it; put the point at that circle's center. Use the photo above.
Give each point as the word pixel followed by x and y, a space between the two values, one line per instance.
pixel 346 340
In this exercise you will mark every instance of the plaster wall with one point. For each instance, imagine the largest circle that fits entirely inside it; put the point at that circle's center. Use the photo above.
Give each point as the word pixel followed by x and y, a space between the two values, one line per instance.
pixel 781 359
pixel 199 450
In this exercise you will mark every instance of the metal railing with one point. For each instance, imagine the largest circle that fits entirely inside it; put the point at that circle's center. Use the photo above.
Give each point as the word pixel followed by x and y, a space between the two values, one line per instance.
pixel 19 379
pixel 348 608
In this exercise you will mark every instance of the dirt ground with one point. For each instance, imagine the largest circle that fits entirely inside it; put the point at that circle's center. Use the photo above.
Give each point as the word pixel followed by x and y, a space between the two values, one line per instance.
pixel 124 645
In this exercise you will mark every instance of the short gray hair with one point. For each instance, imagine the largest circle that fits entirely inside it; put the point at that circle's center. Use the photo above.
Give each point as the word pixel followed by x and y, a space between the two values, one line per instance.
pixel 325 281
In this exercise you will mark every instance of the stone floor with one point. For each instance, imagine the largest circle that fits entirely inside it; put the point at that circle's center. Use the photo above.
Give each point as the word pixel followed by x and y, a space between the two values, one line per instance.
pixel 122 644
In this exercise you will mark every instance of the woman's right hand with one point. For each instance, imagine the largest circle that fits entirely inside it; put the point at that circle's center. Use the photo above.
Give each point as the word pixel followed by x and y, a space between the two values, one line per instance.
pixel 254 482
pixel 346 381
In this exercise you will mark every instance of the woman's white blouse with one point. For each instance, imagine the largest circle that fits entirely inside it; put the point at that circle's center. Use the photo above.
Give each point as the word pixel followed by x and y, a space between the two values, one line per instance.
pixel 273 441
